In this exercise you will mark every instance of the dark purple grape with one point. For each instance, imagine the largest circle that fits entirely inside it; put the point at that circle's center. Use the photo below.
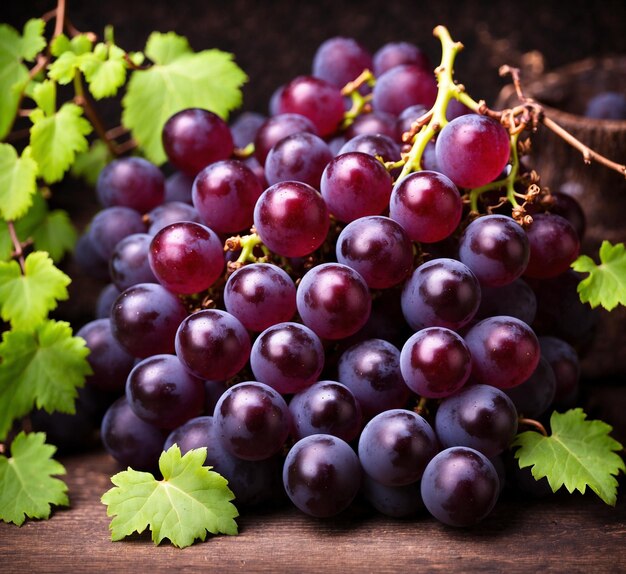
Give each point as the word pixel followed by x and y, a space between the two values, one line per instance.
pixel 377 248
pixel 277 127
pixel 568 207
pixel 178 188
pixel 395 447
pixel 129 263
pixel 213 390
pixel 131 182
pixel 481 417
pixel 109 361
pixel 405 120
pixel 394 54
pixel 435 362
pixel 212 344
pixel 322 475
pixel 196 432
pixel 109 226
pixel 394 501
pixel 326 407
pixel 403 86
pixel 440 293
pixel 340 60
pixel 106 298
pixel 144 319
pixel 376 145
pixel 89 260
pixel 333 300
pixel 171 212
pixel 224 194
pixel 245 127
pixel 260 295
pixel 372 123
pixel 565 364
pixel 505 351
pixel 460 486
pixel 472 150
pixel 533 397
pixel 371 370
pixel 252 421
pixel 131 441
pixel 607 106
pixel 516 299
pixel 193 138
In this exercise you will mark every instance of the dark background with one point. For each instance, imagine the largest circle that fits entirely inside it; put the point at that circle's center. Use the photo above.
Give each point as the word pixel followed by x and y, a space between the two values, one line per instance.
pixel 275 41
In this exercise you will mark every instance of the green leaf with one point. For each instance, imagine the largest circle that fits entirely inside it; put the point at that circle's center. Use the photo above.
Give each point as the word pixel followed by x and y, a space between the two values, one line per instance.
pixel 578 453
pixel 24 226
pixel 18 182
pixel 189 501
pixel 45 96
pixel 27 486
pixel 56 235
pixel 105 71
pixel 89 164
pixel 179 79
pixel 41 368
pixel 33 40
pixel 606 283
pixel 56 139
pixel 59 45
pixel 63 69
pixel 26 299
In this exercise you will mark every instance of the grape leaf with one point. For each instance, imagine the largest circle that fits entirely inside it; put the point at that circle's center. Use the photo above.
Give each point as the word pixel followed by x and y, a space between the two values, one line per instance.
pixel 89 163
pixel 64 68
pixel 578 453
pixel 178 79
pixel 57 138
pixel 56 235
pixel 606 283
pixel 45 96
pixel 189 501
pixel 18 182
pixel 105 70
pixel 44 368
pixel 26 299
pixel 27 486
pixel 32 41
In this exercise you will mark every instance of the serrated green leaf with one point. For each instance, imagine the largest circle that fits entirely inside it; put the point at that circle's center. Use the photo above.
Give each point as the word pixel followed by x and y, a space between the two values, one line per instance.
pixel 13 76
pixel 64 68
pixel 59 45
pixel 578 453
pixel 179 79
pixel 56 235
pixel 27 486
pixel 55 140
pixel 42 368
pixel 606 283
pixel 18 182
pixel 105 71
pixel 45 96
pixel 89 164
pixel 26 299
pixel 33 40
pixel 81 44
pixel 189 501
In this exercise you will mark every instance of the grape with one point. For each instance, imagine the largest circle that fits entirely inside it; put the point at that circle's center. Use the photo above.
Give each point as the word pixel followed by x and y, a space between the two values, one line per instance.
pixel 298 157
pixel 460 486
pixel 472 150
pixel 291 218
pixel 245 128
pixel 373 123
pixel 554 246
pixel 178 188
pixel 568 207
pixel 376 145
pixel 403 86
pixel 162 392
pixel 196 432
pixel 193 138
pixel 260 295
pixel 315 99
pixel 277 127
pixel 89 260
pixel 607 106
pixel 252 421
pixel 394 54
pixel 354 185
pixel 186 257
pixel 565 364
pixel 505 351
pixel 104 304
pixel 321 475
pixel 340 60
pixel 377 248
pixel 405 120
pixel 144 319
pixel 108 360
pixel 288 357
pixel 131 182
pixel 333 300
pixel 371 370
pixel 326 407
pixel 427 204
pixel 495 248
pixel 171 212
pixel 109 226
pixel 212 344
pixel 516 299
pixel 394 501
pixel 533 397
pixel 481 417
pixel 129 263
pixel 440 293
pixel 131 441
pixel 213 390
pixel 395 447
pixel 435 362
pixel 456 109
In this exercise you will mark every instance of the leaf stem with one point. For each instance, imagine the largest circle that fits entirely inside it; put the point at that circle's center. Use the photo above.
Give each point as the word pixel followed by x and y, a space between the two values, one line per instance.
pixel 18 249
pixel 60 19
pixel 533 423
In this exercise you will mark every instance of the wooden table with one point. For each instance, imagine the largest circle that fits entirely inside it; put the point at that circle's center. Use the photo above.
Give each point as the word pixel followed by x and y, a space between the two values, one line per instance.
pixel 563 533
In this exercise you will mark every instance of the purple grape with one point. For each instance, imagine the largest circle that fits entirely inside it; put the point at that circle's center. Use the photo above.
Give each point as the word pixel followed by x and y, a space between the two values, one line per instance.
pixel 104 304
pixel 371 124
pixel 516 299
pixel 376 145
pixel 394 501
pixel 178 188
pixel 129 263
pixel 607 106
pixel 213 390
pixel 252 421
pixel 333 300
pixel 565 364
pixel 340 60
pixel 568 207
pixel 109 226
pixel 404 121
pixel 322 475
pixel 212 344
pixel 193 138
pixel 171 212
pixel 196 432
pixel 394 54
pixel 245 128
pixel 403 86
pixel 89 260
pixel 533 397
pixel 277 127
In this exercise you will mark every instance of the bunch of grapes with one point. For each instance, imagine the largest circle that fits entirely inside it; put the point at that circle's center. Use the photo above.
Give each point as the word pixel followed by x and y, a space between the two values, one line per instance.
pixel 326 323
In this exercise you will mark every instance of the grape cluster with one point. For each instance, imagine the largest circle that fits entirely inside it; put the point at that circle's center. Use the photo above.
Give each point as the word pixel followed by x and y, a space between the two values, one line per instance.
pixel 323 326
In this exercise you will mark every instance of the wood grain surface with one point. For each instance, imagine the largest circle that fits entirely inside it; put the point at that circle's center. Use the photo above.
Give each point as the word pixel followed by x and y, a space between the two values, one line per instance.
pixel 561 533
